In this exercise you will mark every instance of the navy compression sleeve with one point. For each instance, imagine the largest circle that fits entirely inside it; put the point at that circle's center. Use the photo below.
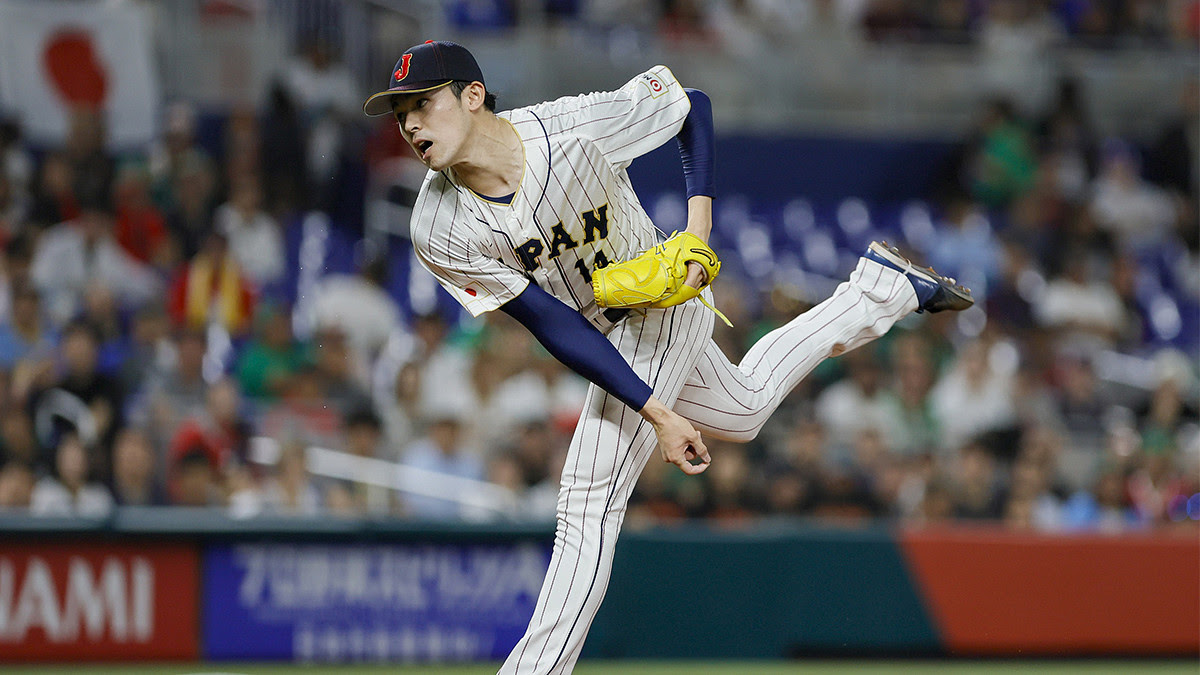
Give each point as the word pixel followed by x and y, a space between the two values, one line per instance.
pixel 697 146
pixel 577 344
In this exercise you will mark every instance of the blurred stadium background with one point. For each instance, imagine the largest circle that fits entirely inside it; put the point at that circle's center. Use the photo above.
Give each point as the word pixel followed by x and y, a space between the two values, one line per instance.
pixel 236 424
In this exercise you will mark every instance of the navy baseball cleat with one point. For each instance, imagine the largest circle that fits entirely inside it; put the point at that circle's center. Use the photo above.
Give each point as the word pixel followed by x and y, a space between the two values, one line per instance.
pixel 935 293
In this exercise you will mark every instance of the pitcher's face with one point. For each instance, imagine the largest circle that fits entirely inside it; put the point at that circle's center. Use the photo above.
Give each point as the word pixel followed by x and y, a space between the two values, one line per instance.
pixel 435 123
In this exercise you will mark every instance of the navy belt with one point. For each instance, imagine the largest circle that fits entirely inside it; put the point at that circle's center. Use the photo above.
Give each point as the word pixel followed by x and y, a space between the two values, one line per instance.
pixel 615 314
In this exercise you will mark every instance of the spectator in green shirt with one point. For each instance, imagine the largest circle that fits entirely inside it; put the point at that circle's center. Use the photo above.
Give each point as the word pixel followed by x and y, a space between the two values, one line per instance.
pixel 1004 163
pixel 273 355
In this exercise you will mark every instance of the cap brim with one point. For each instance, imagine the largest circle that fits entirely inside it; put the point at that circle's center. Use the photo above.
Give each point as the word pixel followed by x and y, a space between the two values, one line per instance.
pixel 381 103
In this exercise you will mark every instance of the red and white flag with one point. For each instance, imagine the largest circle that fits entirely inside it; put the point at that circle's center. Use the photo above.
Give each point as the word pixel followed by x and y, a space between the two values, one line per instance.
pixel 56 55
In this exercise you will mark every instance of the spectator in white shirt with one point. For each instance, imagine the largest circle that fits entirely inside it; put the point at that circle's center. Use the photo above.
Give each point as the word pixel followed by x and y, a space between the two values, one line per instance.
pixel 1137 213
pixel 73 256
pixel 254 237
pixel 1078 305
pixel 858 403
pixel 972 398
pixel 291 490
pixel 359 306
pixel 70 494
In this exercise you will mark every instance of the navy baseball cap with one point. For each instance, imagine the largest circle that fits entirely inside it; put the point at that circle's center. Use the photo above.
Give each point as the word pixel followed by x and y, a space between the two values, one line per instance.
pixel 425 67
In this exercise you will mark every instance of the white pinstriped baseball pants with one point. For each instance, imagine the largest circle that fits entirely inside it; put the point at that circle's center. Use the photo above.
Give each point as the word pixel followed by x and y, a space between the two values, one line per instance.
pixel 673 352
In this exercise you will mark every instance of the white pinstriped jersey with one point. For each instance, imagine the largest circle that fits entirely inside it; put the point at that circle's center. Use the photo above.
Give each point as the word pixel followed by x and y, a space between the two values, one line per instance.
pixel 575 207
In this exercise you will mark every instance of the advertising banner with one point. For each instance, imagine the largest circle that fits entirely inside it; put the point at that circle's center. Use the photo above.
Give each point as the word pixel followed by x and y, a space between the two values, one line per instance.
pixel 90 600
pixel 370 602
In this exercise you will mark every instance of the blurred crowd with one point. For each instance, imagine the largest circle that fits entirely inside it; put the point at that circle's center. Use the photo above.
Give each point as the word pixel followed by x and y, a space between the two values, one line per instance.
pixel 1058 403
pixel 151 352
pixel 736 24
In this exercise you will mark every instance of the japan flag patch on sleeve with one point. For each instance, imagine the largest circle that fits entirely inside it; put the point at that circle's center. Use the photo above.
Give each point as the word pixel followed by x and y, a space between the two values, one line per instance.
pixel 656 86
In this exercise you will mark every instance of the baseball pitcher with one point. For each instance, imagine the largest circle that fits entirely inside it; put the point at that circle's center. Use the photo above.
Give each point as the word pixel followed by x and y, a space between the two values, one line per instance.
pixel 531 212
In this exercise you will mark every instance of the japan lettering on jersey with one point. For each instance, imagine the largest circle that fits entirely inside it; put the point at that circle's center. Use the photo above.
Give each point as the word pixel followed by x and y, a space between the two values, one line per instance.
pixel 575 209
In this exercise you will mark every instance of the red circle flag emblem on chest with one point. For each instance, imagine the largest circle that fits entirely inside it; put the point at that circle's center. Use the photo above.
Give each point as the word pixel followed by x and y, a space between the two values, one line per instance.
pixel 471 292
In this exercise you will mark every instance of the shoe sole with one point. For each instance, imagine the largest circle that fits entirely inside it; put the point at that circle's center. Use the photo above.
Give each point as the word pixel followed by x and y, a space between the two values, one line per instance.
pixel 960 296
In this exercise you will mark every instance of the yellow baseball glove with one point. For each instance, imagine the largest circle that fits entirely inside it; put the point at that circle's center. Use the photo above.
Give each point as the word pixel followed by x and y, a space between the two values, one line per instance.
pixel 656 277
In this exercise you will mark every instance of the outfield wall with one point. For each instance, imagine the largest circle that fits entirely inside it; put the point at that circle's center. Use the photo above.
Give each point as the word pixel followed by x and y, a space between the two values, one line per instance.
pixel 166 585
pixel 791 591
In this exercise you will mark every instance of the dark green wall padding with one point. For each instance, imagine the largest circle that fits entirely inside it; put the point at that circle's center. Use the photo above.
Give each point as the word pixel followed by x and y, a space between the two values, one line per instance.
pixel 771 592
